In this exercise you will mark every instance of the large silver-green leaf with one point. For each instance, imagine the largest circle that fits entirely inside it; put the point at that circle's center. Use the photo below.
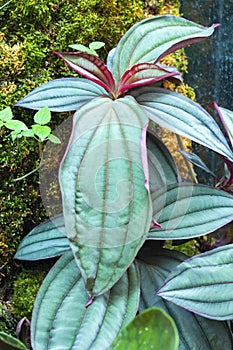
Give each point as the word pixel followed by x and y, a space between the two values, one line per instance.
pixel 203 284
pixel 162 167
pixel 61 95
pixel 45 241
pixel 153 38
pixel 195 332
pixel 62 319
pixel 189 210
pixel 182 116
pixel 152 329
pixel 105 188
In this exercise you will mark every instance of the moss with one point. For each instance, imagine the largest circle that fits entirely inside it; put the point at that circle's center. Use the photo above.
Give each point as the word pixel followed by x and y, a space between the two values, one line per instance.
pixel 170 7
pixel 31 31
pixel 189 248
pixel 26 287
pixel 21 206
pixel 160 7
pixel 7 322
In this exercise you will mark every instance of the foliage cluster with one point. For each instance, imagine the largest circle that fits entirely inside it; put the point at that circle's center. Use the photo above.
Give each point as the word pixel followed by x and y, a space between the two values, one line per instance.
pixel 28 62
pixel 29 33
pixel 123 197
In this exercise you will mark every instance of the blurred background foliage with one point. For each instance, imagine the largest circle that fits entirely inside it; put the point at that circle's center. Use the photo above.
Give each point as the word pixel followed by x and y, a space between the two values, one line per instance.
pixel 29 33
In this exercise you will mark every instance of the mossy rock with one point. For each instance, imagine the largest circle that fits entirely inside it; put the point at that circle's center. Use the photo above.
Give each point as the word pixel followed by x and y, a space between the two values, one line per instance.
pixel 25 289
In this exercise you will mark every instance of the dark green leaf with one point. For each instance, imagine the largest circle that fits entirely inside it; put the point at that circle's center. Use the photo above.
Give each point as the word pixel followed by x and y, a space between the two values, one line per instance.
pixel 7 342
pixel 153 38
pixel 61 95
pixel 44 241
pixel 107 212
pixel 162 167
pixel 43 116
pixel 227 119
pixel 196 160
pixel 61 318
pixel 195 332
pixel 182 116
pixel 188 210
pixel 23 331
pixel 203 284
pixel 152 329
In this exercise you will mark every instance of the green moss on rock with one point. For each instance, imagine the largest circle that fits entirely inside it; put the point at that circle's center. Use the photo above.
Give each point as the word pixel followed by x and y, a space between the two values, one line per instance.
pixel 26 287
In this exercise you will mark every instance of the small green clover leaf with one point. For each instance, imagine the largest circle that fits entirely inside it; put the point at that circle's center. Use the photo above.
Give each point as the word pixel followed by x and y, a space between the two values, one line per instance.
pixel 15 135
pixel 39 131
pixel 27 133
pixel 5 115
pixel 95 45
pixel 54 139
pixel 43 116
pixel 15 125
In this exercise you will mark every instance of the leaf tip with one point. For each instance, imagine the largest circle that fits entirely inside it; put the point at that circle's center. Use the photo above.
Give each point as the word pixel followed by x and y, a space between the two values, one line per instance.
pixel 89 303
pixel 155 224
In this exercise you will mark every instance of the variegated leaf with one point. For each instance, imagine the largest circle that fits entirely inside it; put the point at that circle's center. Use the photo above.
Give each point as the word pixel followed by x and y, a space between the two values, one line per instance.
pixel 153 38
pixel 62 318
pixel 183 116
pixel 62 95
pixel 91 67
pixel 190 210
